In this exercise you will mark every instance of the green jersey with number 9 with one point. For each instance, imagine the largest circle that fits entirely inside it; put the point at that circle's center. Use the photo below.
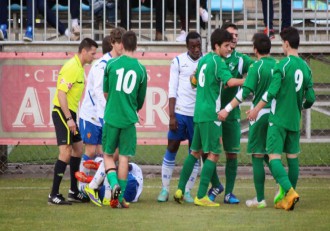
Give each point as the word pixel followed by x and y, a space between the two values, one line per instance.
pixel 291 83
pixel 125 82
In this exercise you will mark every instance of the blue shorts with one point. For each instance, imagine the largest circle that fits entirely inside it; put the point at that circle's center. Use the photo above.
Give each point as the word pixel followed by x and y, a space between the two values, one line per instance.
pixel 185 128
pixel 131 190
pixel 90 133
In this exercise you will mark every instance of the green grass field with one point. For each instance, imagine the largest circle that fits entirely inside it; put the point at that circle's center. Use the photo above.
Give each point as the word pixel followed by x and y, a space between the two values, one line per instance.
pixel 316 154
pixel 320 70
pixel 24 206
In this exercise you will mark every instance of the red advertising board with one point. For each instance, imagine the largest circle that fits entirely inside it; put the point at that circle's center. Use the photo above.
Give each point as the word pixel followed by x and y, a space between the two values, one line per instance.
pixel 27 87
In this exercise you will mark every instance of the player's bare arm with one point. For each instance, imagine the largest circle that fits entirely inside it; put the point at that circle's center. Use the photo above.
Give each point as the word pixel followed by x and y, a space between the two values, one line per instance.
pixel 173 124
pixel 223 114
pixel 234 82
pixel 253 114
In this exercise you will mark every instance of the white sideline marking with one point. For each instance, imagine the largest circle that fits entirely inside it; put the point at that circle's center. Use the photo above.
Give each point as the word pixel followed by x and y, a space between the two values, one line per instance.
pixel 24 188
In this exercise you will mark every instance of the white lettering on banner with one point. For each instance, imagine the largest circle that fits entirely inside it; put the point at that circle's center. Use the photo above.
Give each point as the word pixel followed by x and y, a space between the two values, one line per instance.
pixel 152 108
pixel 55 75
pixel 37 77
pixel 52 91
pixel 29 107
pixel 148 76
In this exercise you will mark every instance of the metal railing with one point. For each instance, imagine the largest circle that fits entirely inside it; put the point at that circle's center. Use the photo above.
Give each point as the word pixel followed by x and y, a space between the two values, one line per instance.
pixel 309 16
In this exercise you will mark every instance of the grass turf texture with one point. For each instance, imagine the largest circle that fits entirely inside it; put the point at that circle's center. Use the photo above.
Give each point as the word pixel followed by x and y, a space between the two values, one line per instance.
pixel 24 207
pixel 316 154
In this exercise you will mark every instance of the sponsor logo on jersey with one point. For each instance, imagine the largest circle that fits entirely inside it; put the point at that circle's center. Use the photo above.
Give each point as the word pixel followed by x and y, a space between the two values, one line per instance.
pixel 231 66
pixel 69 85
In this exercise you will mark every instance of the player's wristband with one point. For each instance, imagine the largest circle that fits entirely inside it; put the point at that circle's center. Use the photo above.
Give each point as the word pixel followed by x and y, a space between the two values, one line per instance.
pixel 228 108
pixel 69 118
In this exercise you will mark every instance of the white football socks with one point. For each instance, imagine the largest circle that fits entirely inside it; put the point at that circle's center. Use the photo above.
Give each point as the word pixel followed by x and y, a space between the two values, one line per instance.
pixel 167 171
pixel 192 179
pixel 98 177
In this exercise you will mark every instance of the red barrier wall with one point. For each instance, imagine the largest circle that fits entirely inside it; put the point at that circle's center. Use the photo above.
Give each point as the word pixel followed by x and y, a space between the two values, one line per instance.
pixel 27 87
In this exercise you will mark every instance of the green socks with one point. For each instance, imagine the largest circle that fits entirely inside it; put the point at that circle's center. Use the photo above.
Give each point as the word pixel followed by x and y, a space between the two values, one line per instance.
pixel 122 184
pixel 293 173
pixel 266 159
pixel 187 169
pixel 280 174
pixel 231 172
pixel 112 178
pixel 259 177
pixel 206 174
pixel 215 181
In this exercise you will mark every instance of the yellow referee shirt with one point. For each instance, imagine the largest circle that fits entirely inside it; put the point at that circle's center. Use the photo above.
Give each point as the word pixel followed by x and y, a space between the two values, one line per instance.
pixel 72 81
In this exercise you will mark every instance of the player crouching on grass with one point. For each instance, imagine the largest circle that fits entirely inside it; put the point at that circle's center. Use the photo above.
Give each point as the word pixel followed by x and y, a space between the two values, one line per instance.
pixel 98 188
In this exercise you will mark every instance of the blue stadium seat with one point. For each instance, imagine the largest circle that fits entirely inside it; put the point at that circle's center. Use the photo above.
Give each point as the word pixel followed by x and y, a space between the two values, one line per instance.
pixel 298 4
pixel 84 7
pixel 318 5
pixel 16 7
pixel 227 5
pixel 144 9
pixel 311 4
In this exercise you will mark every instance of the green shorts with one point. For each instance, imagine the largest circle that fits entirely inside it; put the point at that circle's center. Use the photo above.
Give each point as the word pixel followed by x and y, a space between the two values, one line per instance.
pixel 123 138
pixel 280 140
pixel 231 136
pixel 207 137
pixel 258 135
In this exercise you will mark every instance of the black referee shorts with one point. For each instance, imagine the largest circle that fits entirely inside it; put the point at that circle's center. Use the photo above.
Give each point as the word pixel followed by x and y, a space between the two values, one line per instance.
pixel 63 134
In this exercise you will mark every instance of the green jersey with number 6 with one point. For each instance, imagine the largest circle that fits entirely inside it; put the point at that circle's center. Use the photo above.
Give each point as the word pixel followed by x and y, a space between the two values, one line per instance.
pixel 125 82
pixel 291 83
pixel 212 72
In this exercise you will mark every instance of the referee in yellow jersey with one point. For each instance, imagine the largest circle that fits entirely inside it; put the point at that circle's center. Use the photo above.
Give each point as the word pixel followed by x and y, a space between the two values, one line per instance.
pixel 69 89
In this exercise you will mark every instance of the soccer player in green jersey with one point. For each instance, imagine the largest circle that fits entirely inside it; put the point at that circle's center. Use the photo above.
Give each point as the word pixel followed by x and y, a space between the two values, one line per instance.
pixel 212 72
pixel 125 86
pixel 238 65
pixel 290 91
pixel 257 82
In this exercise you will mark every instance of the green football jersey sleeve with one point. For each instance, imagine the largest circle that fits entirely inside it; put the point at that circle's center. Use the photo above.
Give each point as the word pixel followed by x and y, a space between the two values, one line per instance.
pixel 291 80
pixel 212 72
pixel 258 80
pixel 125 82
